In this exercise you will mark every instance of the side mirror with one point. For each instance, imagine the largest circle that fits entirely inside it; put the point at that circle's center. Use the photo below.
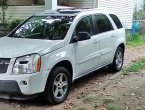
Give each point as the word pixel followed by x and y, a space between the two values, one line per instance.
pixel 81 36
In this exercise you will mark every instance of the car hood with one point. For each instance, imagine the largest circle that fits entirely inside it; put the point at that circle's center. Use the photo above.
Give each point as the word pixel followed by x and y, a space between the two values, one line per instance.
pixel 15 47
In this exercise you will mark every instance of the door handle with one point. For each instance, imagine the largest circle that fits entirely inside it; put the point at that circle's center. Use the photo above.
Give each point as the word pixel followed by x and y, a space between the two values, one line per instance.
pixel 96 41
pixel 113 35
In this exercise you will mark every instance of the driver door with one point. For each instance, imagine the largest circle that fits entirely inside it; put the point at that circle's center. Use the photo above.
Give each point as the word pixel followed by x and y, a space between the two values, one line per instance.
pixel 87 51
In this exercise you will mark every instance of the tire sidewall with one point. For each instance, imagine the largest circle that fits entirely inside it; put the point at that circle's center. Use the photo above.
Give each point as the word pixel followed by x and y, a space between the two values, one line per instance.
pixel 49 87
pixel 114 62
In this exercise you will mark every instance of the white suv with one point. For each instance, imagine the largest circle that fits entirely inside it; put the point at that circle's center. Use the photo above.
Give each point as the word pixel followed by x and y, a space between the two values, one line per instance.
pixel 50 50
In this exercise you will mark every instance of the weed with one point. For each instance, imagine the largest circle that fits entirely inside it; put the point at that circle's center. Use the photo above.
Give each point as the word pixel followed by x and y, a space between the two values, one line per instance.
pixel 135 40
pixel 81 108
pixel 89 99
pixel 136 67
pixel 114 107
pixel 109 100
pixel 139 108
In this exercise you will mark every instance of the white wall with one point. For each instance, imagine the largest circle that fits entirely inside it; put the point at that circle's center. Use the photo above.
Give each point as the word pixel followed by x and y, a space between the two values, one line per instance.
pixel 19 2
pixel 27 11
pixel 81 3
pixel 23 11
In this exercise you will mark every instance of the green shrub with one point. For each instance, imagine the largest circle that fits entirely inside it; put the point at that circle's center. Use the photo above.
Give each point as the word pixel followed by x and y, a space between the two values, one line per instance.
pixel 14 23
pixel 139 15
pixel 135 40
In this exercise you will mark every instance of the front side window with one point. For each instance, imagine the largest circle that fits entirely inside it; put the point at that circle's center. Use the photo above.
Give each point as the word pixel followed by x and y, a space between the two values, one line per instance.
pixel 84 25
pixel 102 23
pixel 44 27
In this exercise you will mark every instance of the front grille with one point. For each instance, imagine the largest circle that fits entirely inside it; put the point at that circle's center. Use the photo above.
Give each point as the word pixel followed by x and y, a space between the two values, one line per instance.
pixel 4 63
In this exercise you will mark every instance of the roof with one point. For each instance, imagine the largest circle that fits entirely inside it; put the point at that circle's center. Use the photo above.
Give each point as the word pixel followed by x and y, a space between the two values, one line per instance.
pixel 75 11
pixel 65 11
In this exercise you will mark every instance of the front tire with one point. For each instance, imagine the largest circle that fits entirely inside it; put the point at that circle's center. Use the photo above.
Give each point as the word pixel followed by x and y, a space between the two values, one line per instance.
pixel 118 60
pixel 58 85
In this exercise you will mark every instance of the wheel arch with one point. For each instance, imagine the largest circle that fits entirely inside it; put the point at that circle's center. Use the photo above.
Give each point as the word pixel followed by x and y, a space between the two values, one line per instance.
pixel 66 64
pixel 122 45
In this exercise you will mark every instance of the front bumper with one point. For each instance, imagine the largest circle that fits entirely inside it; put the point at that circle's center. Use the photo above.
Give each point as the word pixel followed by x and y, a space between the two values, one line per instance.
pixel 23 85
pixel 10 90
pixel 9 87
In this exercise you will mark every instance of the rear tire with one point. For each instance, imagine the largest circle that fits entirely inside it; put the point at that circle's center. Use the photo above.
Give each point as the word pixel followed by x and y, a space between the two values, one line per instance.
pixel 118 60
pixel 58 86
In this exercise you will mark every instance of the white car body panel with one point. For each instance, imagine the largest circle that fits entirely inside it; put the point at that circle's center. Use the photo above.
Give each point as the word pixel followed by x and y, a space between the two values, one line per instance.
pixel 84 56
pixel 16 47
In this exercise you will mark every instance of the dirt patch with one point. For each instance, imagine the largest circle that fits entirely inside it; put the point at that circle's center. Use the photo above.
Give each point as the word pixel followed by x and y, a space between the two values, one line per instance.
pixel 124 93
pixel 85 87
pixel 133 54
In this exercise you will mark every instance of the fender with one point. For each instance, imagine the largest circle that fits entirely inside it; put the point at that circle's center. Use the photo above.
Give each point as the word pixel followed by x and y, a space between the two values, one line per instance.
pixel 63 54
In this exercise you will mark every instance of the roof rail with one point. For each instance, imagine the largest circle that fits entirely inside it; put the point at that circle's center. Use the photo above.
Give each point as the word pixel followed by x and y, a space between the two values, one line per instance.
pixel 71 10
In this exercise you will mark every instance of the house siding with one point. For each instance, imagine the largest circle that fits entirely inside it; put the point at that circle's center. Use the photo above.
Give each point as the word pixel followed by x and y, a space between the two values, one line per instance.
pixel 19 2
pixel 81 3
pixel 23 11
pixel 124 9
pixel 23 2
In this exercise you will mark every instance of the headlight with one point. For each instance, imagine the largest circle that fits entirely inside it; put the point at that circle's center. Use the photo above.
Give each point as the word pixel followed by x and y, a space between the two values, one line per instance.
pixel 27 64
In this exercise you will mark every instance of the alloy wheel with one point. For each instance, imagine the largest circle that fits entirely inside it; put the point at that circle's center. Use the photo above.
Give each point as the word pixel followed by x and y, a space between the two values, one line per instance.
pixel 60 85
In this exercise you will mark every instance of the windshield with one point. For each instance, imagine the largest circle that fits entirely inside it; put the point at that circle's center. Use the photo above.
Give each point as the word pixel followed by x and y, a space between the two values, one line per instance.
pixel 44 27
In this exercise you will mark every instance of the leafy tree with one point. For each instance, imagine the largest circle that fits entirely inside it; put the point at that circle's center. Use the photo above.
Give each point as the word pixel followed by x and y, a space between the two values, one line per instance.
pixel 139 15
pixel 144 5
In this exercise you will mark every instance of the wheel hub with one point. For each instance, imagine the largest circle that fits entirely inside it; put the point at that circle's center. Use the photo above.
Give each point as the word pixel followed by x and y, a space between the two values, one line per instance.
pixel 119 58
pixel 60 85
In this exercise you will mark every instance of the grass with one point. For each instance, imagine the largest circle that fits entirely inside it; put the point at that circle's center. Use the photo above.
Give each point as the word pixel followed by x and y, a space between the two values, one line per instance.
pixel 114 107
pixel 89 99
pixel 136 67
pixel 109 100
pixel 135 40
pixel 81 108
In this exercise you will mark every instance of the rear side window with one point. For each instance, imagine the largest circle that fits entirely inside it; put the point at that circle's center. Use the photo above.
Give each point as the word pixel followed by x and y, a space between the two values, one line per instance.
pixel 103 24
pixel 116 21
